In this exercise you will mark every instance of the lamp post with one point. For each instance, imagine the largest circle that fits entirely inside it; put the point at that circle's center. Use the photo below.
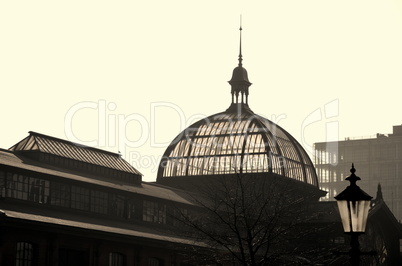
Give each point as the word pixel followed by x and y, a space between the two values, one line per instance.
pixel 354 204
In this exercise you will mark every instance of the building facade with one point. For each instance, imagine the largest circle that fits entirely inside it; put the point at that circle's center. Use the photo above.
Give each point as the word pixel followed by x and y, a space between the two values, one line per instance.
pixel 62 203
pixel 66 204
pixel 379 160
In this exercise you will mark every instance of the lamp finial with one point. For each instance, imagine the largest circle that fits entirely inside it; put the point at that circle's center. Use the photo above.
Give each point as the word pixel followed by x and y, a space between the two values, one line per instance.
pixel 353 178
pixel 353 170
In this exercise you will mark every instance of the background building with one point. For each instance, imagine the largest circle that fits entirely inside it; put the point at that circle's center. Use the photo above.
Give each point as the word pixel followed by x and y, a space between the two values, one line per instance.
pixel 378 159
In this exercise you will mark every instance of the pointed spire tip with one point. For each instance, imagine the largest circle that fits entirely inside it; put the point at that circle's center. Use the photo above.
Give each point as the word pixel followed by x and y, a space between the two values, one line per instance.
pixel 240 54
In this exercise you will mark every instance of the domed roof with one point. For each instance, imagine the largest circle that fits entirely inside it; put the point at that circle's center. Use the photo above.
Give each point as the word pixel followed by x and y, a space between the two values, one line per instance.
pixel 236 141
pixel 239 74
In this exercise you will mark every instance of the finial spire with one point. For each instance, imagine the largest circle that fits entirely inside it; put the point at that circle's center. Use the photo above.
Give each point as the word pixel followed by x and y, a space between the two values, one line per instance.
pixel 353 178
pixel 239 81
pixel 240 55
pixel 379 193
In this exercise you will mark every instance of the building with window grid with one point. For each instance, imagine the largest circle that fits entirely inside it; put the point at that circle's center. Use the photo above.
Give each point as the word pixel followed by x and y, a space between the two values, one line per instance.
pixel 379 160
pixel 66 204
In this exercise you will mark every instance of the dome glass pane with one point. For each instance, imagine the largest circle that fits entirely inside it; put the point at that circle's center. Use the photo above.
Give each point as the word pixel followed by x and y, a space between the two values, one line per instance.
pixel 230 142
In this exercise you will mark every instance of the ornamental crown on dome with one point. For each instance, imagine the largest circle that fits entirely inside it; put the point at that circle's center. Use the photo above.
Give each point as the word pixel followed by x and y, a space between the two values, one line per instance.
pixel 239 81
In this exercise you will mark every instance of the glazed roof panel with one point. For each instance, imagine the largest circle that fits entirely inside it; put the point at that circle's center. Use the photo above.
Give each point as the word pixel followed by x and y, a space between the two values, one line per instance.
pixel 230 143
pixel 66 149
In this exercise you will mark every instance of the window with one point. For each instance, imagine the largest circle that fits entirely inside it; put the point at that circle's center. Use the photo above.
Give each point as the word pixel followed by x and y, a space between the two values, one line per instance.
pixel 116 259
pixel 324 176
pixel 116 205
pixel 24 255
pixel 18 186
pixel 79 198
pixel 334 175
pixel 38 190
pixel 99 201
pixel 131 209
pixel 60 194
pixel 154 212
pixel 24 187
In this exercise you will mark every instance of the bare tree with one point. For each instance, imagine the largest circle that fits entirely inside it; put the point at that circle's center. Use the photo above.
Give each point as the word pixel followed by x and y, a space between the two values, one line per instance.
pixel 252 219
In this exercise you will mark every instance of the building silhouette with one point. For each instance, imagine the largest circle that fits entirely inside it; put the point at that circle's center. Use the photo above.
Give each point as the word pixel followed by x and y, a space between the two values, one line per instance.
pixel 66 204
pixel 236 141
pixel 239 142
pixel 379 160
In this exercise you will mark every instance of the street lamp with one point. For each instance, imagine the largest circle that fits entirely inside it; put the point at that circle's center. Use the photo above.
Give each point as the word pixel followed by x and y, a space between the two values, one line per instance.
pixel 353 204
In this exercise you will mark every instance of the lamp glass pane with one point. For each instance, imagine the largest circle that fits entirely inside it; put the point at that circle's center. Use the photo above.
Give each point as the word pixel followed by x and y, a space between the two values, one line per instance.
pixel 359 213
pixel 363 213
pixel 354 215
pixel 345 216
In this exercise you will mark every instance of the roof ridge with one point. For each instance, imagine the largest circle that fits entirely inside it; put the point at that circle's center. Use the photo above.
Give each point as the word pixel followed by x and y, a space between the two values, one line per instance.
pixel 33 133
pixel 67 149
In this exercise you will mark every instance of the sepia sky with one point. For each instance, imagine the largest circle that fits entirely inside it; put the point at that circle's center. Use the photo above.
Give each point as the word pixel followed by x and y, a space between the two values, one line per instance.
pixel 128 76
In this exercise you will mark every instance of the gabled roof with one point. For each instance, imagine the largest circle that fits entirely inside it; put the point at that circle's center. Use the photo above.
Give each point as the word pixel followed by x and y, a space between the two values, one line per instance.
pixel 385 216
pixel 70 150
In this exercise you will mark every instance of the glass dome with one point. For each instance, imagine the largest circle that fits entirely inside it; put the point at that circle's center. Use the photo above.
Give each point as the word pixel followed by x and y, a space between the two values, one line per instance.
pixel 236 141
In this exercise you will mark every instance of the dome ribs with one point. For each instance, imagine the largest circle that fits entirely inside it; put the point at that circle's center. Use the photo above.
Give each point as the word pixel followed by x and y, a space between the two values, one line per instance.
pixel 236 141
pixel 230 143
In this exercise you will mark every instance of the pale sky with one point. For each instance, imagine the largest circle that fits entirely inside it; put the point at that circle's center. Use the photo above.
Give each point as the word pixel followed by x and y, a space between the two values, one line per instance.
pixel 128 76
